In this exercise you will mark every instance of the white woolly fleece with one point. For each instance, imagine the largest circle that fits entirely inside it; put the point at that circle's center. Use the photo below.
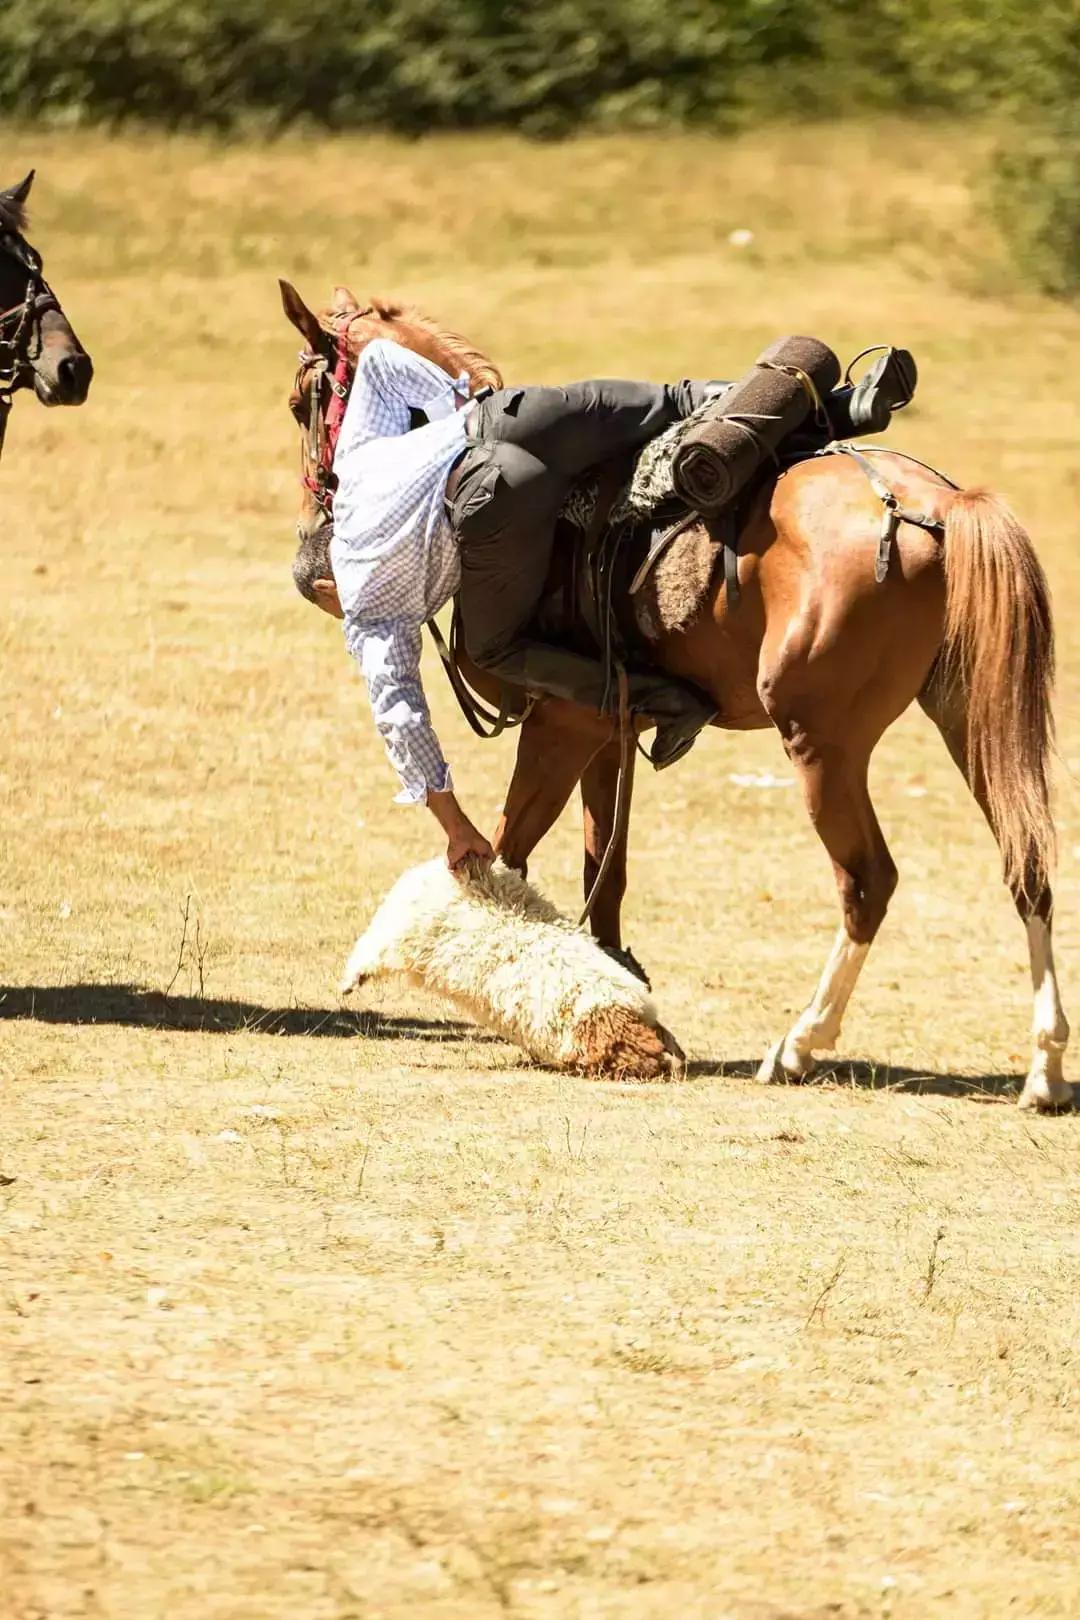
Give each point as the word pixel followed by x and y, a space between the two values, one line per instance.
pixel 502 952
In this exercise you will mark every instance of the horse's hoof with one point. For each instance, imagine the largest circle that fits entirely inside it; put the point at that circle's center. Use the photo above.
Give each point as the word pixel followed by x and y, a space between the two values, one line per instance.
pixel 774 1071
pixel 674 1059
pixel 1047 1096
pixel 626 958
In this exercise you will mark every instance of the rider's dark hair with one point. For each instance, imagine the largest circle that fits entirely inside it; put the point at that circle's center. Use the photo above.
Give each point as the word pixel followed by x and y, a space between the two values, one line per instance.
pixel 312 561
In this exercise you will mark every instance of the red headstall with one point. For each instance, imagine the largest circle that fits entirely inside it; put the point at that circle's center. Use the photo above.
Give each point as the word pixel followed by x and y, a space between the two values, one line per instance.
pixel 324 432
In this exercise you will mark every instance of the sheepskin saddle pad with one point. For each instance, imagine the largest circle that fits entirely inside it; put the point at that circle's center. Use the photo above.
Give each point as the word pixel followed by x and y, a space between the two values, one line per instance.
pixel 498 950
pixel 643 513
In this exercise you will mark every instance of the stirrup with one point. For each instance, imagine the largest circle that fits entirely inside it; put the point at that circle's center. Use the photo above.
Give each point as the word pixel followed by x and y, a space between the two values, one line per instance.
pixel 887 386
pixel 678 751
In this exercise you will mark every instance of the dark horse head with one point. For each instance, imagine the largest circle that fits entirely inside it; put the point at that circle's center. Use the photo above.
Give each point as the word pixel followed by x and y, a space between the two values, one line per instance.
pixel 37 343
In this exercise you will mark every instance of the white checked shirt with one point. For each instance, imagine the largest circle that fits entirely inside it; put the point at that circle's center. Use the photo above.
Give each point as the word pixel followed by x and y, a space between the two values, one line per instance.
pixel 394 555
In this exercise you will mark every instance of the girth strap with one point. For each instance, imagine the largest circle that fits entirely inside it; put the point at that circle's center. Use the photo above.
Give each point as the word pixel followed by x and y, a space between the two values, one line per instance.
pixel 729 529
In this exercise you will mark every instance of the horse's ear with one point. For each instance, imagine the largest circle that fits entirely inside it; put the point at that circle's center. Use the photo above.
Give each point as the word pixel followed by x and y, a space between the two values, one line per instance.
pixel 344 302
pixel 15 197
pixel 296 310
pixel 19 193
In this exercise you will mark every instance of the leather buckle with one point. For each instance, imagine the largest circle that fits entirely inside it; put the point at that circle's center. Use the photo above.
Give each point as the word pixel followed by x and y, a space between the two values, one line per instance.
pixel 890 522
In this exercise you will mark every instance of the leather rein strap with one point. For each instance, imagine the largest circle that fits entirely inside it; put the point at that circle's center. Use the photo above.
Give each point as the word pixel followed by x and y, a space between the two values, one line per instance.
pixel 484 722
pixel 599 549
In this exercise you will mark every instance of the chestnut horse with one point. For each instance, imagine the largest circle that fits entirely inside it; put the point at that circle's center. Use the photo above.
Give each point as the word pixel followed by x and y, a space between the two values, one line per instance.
pixel 37 343
pixel 818 648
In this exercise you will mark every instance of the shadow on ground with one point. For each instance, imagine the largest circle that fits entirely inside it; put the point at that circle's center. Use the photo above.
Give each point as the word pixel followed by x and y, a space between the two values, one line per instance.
pixel 128 1005
pixel 151 1009
pixel 877 1077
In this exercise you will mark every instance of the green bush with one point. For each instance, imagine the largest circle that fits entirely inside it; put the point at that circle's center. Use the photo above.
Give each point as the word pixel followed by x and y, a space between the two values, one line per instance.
pixel 549 66
pixel 1035 191
pixel 408 65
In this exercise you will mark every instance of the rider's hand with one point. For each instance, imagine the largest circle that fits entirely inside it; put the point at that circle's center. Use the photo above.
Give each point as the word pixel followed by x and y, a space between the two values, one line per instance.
pixel 463 840
pixel 465 844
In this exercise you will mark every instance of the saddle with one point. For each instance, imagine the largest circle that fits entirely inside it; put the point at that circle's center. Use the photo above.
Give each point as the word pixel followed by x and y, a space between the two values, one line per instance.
pixel 704 475
pixel 706 469
pixel 694 486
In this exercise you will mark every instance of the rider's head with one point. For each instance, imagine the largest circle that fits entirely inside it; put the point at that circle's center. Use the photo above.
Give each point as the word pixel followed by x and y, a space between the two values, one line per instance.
pixel 313 573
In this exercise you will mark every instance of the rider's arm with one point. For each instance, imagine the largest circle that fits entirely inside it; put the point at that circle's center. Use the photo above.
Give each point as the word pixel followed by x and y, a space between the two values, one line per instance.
pixel 388 653
pixel 390 382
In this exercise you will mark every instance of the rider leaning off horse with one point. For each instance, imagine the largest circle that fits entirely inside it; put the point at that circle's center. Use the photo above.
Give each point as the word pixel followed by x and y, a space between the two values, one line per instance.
pixel 467 502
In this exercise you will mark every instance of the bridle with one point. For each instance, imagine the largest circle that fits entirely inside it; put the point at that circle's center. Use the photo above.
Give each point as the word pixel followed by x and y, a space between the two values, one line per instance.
pixel 20 326
pixel 331 372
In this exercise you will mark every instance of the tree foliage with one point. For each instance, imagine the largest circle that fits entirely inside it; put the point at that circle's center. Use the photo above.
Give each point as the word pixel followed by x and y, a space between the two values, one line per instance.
pixel 551 66
pixel 407 65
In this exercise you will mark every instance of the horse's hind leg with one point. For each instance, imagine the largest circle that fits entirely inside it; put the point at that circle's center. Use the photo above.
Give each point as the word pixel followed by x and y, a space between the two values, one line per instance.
pixel 834 785
pixel 1045 1087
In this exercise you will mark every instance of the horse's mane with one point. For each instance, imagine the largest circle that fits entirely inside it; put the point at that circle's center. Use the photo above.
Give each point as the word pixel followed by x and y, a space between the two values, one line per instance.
pixel 12 214
pixel 405 324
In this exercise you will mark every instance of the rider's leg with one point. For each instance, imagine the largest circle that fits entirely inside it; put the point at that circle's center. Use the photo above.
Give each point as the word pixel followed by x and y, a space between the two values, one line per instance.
pixel 570 429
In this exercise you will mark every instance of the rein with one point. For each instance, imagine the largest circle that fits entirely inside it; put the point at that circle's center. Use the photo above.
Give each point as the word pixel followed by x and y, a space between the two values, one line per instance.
pixel 486 723
pixel 621 817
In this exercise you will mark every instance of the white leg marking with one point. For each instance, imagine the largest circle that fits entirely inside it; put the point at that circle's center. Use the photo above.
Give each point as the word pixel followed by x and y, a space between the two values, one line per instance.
pixel 1046 1087
pixel 819 1026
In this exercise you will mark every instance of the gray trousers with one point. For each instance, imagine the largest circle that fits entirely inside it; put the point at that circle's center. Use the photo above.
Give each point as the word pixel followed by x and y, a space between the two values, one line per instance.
pixel 528 446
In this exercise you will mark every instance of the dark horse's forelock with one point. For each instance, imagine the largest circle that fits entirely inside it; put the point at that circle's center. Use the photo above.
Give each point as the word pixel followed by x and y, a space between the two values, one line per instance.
pixel 12 214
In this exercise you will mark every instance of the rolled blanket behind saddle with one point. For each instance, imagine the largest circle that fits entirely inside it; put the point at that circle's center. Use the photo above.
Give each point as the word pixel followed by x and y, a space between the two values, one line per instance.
pixel 741 429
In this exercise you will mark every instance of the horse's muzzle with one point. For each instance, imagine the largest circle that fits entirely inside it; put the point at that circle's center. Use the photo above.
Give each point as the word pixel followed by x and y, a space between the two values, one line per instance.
pixel 66 384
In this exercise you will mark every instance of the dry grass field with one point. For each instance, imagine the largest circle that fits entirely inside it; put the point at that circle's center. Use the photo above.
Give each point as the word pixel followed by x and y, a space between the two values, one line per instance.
pixel 320 1314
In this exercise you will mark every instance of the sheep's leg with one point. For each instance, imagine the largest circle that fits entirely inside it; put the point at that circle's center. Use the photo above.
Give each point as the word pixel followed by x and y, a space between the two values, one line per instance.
pixel 362 963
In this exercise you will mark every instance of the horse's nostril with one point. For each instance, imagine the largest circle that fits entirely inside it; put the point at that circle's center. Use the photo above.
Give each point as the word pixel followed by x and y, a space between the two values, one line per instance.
pixel 73 375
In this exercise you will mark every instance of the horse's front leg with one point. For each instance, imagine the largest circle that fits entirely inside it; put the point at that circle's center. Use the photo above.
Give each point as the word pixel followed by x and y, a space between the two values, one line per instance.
pixel 555 746
pixel 599 795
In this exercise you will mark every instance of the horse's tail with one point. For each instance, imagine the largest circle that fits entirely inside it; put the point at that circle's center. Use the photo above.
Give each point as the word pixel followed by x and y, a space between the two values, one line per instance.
pixel 999 655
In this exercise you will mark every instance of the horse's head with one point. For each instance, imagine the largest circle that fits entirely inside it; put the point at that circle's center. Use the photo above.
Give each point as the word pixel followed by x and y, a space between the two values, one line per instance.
pixel 333 339
pixel 37 343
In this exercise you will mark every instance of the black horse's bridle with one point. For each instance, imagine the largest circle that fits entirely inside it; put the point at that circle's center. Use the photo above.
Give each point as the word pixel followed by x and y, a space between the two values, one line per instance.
pixel 20 326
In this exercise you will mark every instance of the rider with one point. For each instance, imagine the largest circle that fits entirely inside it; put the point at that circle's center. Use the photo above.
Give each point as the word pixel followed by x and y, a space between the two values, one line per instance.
pixel 467 502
